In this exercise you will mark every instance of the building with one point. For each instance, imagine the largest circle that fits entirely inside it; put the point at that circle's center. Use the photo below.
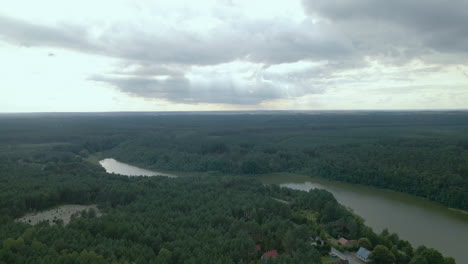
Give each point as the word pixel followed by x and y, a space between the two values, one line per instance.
pixel 342 241
pixel 363 254
pixel 270 254
pixel 317 241
pixel 347 243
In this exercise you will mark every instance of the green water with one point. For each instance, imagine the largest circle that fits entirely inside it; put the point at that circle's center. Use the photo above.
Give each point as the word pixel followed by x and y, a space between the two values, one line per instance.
pixel 417 220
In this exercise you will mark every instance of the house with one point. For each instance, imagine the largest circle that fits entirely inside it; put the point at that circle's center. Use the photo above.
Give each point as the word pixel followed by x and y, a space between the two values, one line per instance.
pixel 347 243
pixel 363 254
pixel 342 241
pixel 270 254
pixel 316 241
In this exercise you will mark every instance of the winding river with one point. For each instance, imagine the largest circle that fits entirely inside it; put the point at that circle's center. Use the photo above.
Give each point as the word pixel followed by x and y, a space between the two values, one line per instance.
pixel 417 220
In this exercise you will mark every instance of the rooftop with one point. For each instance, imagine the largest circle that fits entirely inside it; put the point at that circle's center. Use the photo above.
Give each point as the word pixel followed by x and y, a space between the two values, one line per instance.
pixel 270 254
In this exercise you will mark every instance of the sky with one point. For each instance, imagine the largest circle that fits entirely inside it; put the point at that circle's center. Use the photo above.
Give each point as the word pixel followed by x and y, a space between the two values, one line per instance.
pixel 119 55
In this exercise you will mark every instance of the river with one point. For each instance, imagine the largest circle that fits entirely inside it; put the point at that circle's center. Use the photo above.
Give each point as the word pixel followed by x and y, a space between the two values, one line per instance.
pixel 117 167
pixel 417 220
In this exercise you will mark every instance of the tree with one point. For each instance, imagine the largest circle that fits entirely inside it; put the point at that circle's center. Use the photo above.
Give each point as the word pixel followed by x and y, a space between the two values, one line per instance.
pixel 432 256
pixel 365 243
pixel 307 255
pixel 449 260
pixel 164 256
pixel 295 238
pixel 400 256
pixel 406 247
pixel 382 255
pixel 418 259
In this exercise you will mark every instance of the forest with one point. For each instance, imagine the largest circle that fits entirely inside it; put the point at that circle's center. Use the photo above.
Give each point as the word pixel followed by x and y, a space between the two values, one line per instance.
pixel 225 215
pixel 420 153
pixel 424 154
pixel 183 220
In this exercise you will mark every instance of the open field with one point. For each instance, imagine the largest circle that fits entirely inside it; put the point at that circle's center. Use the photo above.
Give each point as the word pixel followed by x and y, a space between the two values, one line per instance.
pixel 62 213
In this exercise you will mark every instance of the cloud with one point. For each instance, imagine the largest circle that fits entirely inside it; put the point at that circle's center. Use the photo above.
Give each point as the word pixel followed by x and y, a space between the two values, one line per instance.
pixel 184 66
pixel 27 34
pixel 238 82
pixel 235 54
pixel 264 41
pixel 277 41
pixel 149 69
pixel 400 30
pixel 183 90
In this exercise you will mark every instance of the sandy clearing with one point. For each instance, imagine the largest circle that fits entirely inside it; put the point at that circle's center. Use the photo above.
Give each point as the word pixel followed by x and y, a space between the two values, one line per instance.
pixel 64 213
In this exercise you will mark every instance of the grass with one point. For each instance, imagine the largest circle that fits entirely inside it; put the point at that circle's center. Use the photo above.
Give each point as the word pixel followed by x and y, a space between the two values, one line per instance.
pixel 459 210
pixel 327 259
pixel 308 214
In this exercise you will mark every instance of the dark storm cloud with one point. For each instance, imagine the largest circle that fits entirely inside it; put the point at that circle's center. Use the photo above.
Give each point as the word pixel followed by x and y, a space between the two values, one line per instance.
pixel 398 28
pixel 182 90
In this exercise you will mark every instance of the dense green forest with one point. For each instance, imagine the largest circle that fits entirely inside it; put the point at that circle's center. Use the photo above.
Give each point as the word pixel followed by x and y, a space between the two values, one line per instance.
pixel 45 161
pixel 421 153
pixel 183 220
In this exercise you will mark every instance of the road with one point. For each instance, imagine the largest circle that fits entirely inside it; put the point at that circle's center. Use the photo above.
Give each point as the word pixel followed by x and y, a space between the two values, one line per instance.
pixel 351 259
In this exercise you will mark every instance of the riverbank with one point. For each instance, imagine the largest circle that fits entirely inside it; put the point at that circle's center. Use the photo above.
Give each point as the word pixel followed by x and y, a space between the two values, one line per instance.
pixel 459 210
pixel 413 218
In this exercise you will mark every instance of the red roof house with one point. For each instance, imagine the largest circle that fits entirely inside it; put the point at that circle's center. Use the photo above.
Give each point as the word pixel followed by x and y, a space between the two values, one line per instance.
pixel 347 243
pixel 270 254
pixel 343 241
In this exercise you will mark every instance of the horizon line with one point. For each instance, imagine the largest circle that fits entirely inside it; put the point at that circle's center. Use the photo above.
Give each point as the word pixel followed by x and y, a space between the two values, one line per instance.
pixel 234 111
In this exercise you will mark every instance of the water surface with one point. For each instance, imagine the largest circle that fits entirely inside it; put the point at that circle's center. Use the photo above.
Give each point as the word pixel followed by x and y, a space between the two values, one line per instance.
pixel 117 167
pixel 417 220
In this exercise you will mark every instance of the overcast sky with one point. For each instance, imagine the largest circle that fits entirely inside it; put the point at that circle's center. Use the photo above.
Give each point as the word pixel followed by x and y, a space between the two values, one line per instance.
pixel 119 55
